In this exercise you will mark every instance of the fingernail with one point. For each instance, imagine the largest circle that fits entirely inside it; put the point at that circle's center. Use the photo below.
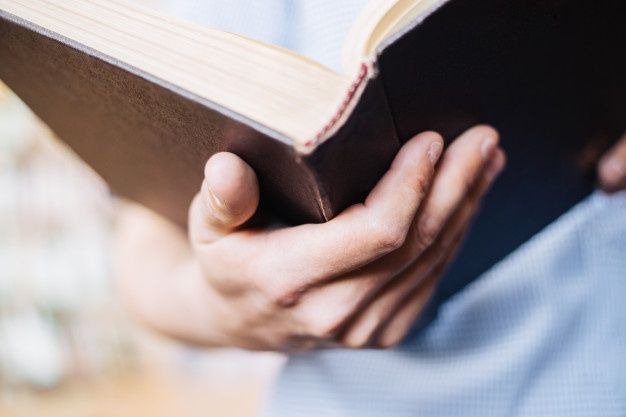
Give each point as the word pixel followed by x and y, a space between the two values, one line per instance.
pixel 487 147
pixel 494 169
pixel 613 171
pixel 434 151
pixel 218 207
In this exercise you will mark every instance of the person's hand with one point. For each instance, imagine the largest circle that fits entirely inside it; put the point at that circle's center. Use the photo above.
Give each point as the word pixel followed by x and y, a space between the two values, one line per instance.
pixel 359 280
pixel 612 168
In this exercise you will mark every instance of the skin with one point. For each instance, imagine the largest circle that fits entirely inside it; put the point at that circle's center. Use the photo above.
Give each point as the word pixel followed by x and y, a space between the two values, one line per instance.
pixel 357 281
pixel 612 168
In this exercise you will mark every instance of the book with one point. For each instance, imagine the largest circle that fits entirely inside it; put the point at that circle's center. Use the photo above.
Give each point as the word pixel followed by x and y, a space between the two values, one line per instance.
pixel 145 99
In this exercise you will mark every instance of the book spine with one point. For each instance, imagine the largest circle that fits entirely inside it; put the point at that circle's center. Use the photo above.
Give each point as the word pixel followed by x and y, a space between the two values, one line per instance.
pixel 353 94
pixel 347 165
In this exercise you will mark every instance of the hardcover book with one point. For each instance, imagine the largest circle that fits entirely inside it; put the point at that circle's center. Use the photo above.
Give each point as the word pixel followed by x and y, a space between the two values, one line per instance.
pixel 145 99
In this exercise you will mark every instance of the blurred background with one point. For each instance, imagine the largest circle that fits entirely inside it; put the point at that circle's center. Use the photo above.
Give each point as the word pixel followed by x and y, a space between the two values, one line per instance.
pixel 66 346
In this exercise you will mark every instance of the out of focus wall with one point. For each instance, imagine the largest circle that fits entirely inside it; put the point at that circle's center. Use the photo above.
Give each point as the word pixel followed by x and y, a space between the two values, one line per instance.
pixel 66 347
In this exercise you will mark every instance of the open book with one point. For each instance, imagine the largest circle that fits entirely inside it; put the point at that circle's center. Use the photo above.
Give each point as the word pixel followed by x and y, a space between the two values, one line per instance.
pixel 93 63
pixel 146 99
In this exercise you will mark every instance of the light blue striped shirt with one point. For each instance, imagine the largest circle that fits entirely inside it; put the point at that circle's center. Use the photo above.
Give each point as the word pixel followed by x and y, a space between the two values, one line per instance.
pixel 543 333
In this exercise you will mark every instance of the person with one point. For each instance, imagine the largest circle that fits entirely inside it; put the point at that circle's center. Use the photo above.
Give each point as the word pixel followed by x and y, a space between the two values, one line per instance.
pixel 541 333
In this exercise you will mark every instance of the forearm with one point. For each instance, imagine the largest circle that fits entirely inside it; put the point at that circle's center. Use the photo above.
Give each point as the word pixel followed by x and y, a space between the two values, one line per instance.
pixel 161 282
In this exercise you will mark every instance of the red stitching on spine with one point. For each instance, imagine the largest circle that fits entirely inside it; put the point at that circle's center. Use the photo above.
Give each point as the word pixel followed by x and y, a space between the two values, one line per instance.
pixel 342 108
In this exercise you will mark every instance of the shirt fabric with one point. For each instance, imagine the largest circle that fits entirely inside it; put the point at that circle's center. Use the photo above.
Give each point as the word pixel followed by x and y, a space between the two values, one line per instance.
pixel 543 333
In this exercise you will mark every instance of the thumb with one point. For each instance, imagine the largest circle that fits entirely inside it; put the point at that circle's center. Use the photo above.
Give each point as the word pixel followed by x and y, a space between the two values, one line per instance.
pixel 228 198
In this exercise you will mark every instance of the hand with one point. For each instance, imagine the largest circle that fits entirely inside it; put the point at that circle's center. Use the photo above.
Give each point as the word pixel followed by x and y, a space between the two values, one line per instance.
pixel 612 168
pixel 359 280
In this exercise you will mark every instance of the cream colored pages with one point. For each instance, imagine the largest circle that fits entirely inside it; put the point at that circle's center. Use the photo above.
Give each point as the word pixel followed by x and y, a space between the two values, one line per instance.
pixel 269 85
pixel 379 20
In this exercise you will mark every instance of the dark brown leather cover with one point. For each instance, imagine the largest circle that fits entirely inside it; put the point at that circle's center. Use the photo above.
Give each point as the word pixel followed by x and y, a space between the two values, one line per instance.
pixel 549 74
pixel 149 139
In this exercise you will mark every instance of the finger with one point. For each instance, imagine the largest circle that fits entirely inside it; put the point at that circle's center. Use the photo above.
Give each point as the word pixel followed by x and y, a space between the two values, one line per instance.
pixel 462 218
pixel 413 303
pixel 460 169
pixel 228 197
pixel 401 191
pixel 402 322
pixel 612 169
pixel 385 302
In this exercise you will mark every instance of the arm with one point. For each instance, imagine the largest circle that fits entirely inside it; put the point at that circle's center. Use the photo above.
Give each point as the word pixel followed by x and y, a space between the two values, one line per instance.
pixel 359 280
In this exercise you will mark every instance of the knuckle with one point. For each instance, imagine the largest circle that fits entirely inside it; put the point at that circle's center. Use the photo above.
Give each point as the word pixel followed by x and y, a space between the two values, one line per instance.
pixel 282 286
pixel 274 288
pixel 390 342
pixel 427 232
pixel 388 237
pixel 359 340
pixel 356 343
pixel 325 327
pixel 280 295
pixel 393 338
pixel 326 323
